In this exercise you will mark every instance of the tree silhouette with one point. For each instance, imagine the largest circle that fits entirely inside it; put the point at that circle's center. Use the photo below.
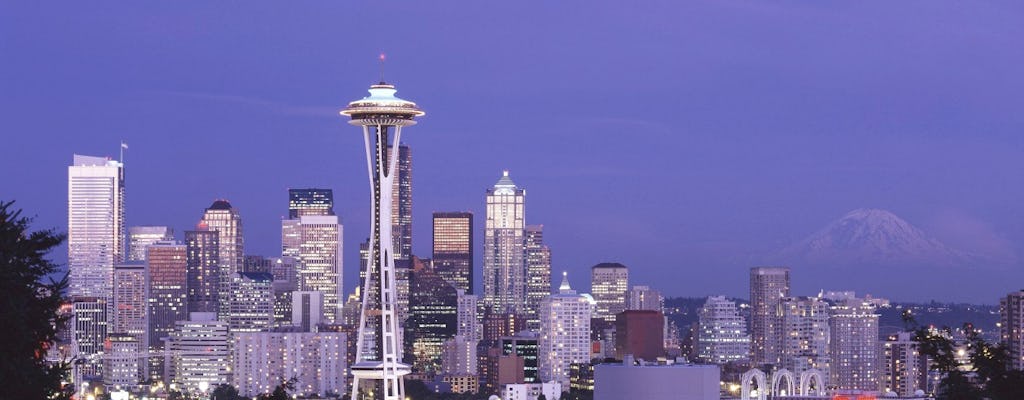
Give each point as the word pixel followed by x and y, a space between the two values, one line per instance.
pixel 29 301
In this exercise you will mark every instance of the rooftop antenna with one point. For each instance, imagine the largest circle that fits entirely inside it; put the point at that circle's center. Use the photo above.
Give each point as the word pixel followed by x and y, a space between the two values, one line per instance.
pixel 123 147
pixel 382 58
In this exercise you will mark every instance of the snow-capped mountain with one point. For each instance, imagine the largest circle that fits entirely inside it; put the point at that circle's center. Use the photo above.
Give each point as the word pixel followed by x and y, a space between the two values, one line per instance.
pixel 871 237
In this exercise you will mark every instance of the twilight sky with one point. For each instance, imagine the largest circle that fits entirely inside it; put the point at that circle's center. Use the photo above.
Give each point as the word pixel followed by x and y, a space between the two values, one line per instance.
pixel 687 140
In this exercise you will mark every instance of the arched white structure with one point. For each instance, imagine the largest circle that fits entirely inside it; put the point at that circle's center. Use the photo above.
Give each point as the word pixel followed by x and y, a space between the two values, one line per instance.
pixel 762 384
pixel 778 377
pixel 808 376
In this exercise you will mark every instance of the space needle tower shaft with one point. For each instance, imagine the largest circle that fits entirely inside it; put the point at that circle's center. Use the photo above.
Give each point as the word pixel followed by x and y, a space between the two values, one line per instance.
pixel 378 336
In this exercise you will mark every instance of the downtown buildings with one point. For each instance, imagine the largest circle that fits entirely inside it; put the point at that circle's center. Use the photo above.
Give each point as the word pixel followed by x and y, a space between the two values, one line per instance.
pixel 312 236
pixel 609 283
pixel 768 285
pixel 722 336
pixel 504 272
pixel 1011 327
pixel 564 333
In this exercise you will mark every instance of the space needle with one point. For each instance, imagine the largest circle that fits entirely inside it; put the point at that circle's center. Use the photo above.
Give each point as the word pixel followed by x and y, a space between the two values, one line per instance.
pixel 377 346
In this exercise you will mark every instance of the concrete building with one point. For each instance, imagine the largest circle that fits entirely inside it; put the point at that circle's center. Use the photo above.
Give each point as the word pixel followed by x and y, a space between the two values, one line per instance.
pixel 722 333
pixel 202 258
pixel 251 305
pixel 905 369
pixel 640 333
pixel 656 382
pixel 306 310
pixel 504 271
pixel 140 237
pixel 311 201
pixel 285 282
pixel 459 357
pixel 315 243
pixel 645 298
pixel 1011 327
pixel 433 318
pixel 90 329
pixel 123 362
pixel 609 284
pixel 401 205
pixel 468 324
pixel 531 391
pixel 131 317
pixel 96 227
pixel 315 359
pixel 168 299
pixel 768 285
pixel 525 346
pixel 453 248
pixel 854 346
pixel 804 342
pixel 538 274
pixel 564 333
pixel 199 353
pixel 223 218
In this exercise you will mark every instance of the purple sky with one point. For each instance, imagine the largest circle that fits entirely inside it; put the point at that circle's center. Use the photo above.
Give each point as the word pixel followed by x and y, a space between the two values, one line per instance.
pixel 686 140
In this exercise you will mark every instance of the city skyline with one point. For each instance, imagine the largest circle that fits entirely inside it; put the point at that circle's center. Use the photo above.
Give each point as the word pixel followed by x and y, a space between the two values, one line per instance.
pixel 920 139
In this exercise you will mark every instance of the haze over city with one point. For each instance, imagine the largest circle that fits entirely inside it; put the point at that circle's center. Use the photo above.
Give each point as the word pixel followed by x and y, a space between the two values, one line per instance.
pixel 688 141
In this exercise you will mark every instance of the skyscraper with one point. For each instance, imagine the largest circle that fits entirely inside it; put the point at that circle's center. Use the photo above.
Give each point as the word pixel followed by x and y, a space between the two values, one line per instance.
pixel 433 318
pixel 90 327
pixel 251 303
pixel 645 298
pixel 310 202
pixel 168 299
pixel 95 225
pixel 504 248
pixel 768 285
pixel 131 286
pixel 401 206
pixel 608 284
pixel 722 336
pixel 853 346
pixel 200 355
pixel 538 274
pixel 1011 327
pixel 564 333
pixel 905 369
pixel 803 344
pixel 141 236
pixel 453 248
pixel 378 337
pixel 315 243
pixel 224 219
pixel 203 275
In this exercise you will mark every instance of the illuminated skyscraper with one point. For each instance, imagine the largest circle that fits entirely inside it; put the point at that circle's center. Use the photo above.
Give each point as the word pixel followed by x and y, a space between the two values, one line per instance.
pixel 803 344
pixel 538 274
pixel 168 299
pixel 203 270
pixel 504 248
pixel 609 283
pixel 141 236
pixel 433 318
pixel 378 341
pixel 315 243
pixel 310 202
pixel 131 286
pixel 768 285
pixel 401 206
pixel 453 248
pixel 564 333
pixel 224 219
pixel 251 303
pixel 95 225
pixel 1011 327
pixel 854 346
pixel 722 336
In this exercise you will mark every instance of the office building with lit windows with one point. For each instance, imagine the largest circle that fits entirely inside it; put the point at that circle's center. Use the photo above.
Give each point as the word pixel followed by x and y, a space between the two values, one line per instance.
pixel 140 237
pixel 315 359
pixel 202 258
pixel 854 346
pixel 538 274
pixel 504 271
pixel 768 285
pixel 453 248
pixel 609 283
pixel 564 333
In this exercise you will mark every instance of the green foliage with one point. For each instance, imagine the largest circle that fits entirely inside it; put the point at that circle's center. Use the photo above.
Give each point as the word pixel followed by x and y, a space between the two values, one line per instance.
pixel 990 376
pixel 225 391
pixel 280 391
pixel 28 307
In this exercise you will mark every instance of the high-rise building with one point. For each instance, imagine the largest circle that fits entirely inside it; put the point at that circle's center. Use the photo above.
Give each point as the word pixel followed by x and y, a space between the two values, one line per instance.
pixel 468 324
pixel 122 366
pixel 453 248
pixel 538 274
pixel 315 243
pixel 285 282
pixel 640 333
pixel 433 318
pixel 722 334
pixel 504 248
pixel 315 359
pixel 768 285
pixel 645 298
pixel 803 344
pixel 90 323
pixel 202 258
pixel 199 350
pixel 609 283
pixel 254 263
pixel 853 346
pixel 168 299
pixel 459 356
pixel 251 304
pixel 1011 327
pixel 401 205
pixel 95 225
pixel 131 288
pixel 564 333
pixel 379 332
pixel 905 368
pixel 524 345
pixel 139 237
pixel 226 221
pixel 310 202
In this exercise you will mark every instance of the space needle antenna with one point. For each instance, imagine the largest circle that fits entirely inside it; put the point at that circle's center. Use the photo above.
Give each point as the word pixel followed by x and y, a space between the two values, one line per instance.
pixel 382 58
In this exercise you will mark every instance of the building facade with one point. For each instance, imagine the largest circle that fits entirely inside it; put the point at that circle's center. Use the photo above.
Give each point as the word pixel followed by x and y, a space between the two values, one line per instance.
pixel 401 205
pixel 433 319
pixel 96 229
pixel 315 359
pixel 609 283
pixel 768 285
pixel 538 274
pixel 140 237
pixel 645 298
pixel 203 276
pixel 453 248
pixel 168 299
pixel 504 271
pixel 722 336
pixel 251 305
pixel 854 346
pixel 315 243
pixel 199 351
pixel 1011 327
pixel 803 344
pixel 223 218
pixel 640 333
pixel 564 333
pixel 905 369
